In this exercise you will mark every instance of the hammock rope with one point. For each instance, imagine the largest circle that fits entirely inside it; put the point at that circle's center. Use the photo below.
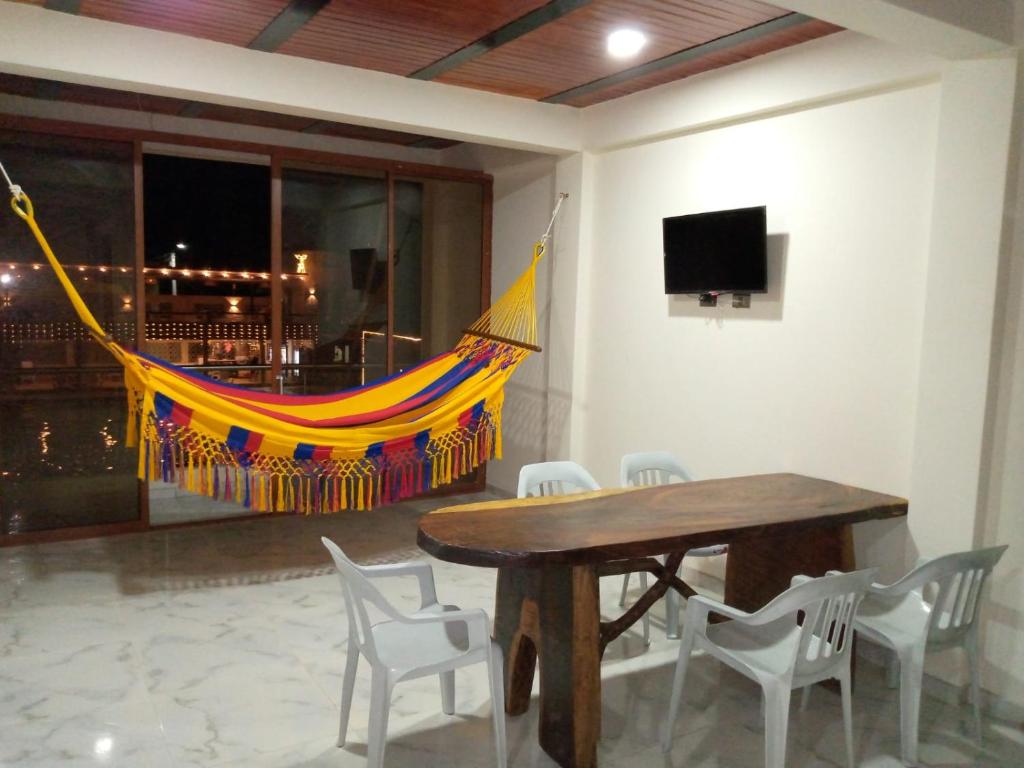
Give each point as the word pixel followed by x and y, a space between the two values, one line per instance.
pixel 355 449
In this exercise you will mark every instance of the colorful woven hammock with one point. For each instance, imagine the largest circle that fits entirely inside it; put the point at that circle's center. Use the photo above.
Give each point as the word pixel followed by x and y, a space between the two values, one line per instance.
pixel 379 443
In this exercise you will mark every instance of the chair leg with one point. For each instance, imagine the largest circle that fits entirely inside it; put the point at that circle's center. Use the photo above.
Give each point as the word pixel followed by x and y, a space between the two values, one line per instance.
pixel 911 670
pixel 844 690
pixel 805 697
pixel 672 614
pixel 448 692
pixel 685 648
pixel 647 615
pixel 347 688
pixel 776 723
pixel 972 662
pixel 892 671
pixel 625 588
pixel 380 705
pixel 496 670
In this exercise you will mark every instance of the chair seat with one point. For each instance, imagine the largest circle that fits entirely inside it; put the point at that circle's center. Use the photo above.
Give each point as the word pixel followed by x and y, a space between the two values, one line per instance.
pixel 401 646
pixel 764 648
pixel 893 621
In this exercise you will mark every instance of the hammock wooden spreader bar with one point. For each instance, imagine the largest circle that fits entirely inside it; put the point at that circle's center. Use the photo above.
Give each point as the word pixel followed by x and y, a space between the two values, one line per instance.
pixel 354 449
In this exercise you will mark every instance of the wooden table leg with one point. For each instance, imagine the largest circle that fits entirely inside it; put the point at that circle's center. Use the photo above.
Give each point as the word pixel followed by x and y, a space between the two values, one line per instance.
pixel 758 569
pixel 516 630
pixel 553 613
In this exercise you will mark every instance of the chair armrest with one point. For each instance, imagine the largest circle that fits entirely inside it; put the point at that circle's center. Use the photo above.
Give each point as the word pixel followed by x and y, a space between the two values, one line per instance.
pixel 801 578
pixel 911 581
pixel 422 571
pixel 698 607
pixel 475 619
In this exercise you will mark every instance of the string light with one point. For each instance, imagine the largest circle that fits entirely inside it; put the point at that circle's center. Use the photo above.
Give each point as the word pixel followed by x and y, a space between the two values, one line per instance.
pixel 124 331
pixel 168 271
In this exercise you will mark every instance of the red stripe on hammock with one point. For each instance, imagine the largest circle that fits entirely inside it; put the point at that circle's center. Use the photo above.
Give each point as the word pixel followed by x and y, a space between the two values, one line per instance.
pixel 239 393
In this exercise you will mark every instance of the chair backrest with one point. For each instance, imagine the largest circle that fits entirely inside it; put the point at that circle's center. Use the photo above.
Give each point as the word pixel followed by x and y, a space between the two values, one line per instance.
pixel 828 604
pixel 956 581
pixel 551 478
pixel 827 630
pixel 359 594
pixel 651 468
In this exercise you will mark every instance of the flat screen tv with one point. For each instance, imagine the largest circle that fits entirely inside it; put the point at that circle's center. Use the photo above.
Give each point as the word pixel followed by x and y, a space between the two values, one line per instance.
pixel 716 252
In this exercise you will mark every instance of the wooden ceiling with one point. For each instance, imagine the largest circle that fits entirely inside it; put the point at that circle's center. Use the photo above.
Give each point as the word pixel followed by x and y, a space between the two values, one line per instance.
pixel 549 50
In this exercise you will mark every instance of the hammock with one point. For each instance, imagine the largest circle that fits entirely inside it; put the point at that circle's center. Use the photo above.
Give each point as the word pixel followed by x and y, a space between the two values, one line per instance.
pixel 355 449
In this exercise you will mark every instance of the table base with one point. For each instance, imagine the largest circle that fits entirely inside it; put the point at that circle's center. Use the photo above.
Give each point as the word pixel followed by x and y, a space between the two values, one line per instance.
pixel 554 613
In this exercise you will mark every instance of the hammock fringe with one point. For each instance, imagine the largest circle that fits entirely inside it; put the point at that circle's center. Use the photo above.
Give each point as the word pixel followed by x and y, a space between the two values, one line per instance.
pixel 262 483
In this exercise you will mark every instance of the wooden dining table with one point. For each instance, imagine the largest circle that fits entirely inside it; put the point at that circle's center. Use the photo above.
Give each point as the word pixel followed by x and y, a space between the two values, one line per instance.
pixel 551 551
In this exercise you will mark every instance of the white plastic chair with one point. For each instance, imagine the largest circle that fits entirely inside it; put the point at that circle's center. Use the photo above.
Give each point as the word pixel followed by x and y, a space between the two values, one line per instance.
pixel 554 478
pixel 933 607
pixel 771 648
pixel 435 640
pixel 659 468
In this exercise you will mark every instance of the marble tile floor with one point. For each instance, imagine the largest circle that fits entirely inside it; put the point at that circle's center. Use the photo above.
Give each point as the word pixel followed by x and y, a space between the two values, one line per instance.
pixel 224 645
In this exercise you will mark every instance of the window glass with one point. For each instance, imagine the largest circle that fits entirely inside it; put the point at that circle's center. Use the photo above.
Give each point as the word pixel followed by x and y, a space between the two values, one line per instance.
pixel 207 278
pixel 334 229
pixel 62 403
pixel 438 242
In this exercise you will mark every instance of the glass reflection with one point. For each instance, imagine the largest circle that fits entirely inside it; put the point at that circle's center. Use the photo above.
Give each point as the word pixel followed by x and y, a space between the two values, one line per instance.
pixel 334 228
pixel 61 395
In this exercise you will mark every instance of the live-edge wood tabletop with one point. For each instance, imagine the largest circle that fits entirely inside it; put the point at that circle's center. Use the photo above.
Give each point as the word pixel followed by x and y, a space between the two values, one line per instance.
pixel 603 526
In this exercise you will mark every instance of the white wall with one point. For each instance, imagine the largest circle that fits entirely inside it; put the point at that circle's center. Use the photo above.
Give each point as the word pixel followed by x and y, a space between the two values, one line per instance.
pixel 820 375
pixel 1001 519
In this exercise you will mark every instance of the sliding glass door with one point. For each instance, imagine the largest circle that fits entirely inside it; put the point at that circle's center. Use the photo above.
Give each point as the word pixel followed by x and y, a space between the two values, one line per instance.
pixel 207 288
pixel 438 258
pixel 334 227
pixel 62 404
pixel 274 269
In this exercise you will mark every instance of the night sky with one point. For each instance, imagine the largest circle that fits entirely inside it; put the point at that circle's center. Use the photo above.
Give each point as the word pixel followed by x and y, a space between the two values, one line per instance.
pixel 221 210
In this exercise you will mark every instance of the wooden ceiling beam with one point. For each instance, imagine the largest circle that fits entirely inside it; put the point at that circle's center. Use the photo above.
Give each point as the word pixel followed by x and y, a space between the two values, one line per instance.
pixel 287 23
pixel 64 6
pixel 688 54
pixel 506 34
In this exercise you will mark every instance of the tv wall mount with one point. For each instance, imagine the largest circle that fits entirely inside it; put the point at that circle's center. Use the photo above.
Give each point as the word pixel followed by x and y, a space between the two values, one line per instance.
pixel 739 300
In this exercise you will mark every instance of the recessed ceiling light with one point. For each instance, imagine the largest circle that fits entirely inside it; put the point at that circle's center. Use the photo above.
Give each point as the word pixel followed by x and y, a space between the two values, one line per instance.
pixel 623 43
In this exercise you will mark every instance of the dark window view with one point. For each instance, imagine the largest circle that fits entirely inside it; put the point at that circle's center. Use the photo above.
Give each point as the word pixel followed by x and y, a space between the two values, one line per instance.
pixel 62 415
pixel 207 278
pixel 208 266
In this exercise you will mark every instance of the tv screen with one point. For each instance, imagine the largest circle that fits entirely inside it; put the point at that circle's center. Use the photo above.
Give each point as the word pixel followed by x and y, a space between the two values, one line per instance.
pixel 716 252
